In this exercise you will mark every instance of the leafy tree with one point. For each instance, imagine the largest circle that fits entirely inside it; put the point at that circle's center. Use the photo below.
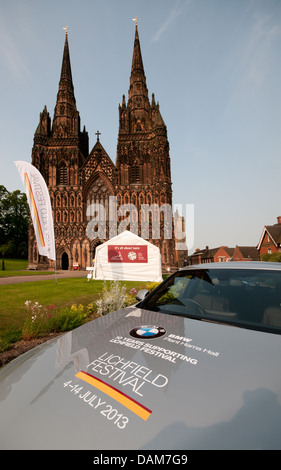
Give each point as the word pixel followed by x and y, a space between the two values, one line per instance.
pixel 265 257
pixel 273 257
pixel 14 223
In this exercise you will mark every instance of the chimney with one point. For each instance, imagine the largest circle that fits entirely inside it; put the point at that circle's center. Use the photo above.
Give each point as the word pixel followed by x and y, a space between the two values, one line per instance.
pixel 279 219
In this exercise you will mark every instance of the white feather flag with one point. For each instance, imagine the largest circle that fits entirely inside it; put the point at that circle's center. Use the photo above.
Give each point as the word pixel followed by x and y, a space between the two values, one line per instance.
pixel 40 208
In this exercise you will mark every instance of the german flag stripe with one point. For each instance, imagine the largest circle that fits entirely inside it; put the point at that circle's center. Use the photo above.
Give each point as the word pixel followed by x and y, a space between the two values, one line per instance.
pixel 112 392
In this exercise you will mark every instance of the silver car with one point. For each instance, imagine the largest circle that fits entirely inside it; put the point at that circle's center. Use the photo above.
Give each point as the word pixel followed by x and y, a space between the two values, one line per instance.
pixel 195 364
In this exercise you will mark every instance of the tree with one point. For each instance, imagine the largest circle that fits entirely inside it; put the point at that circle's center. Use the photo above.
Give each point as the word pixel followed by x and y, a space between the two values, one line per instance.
pixel 273 257
pixel 14 223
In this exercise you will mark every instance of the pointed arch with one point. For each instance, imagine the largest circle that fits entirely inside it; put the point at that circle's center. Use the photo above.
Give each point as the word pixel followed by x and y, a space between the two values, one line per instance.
pixel 97 202
pixel 94 179
pixel 62 174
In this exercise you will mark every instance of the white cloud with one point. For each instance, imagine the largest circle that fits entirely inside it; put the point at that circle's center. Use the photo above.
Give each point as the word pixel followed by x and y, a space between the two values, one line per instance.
pixel 259 46
pixel 12 38
pixel 176 11
pixel 252 60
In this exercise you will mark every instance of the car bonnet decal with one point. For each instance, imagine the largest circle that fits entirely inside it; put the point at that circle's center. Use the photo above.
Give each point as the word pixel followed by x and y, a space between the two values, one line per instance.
pixel 117 395
pixel 148 332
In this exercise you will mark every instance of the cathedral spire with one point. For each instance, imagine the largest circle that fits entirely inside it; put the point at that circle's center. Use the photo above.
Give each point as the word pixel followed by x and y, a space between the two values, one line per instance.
pixel 137 64
pixel 138 93
pixel 66 74
pixel 65 109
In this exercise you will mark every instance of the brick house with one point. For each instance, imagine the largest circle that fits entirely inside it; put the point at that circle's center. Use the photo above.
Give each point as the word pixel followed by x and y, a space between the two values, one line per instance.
pixel 218 255
pixel 213 255
pixel 196 257
pixel 245 253
pixel 270 240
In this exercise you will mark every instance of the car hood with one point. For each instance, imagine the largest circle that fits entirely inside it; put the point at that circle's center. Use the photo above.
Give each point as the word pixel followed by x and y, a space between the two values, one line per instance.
pixel 136 379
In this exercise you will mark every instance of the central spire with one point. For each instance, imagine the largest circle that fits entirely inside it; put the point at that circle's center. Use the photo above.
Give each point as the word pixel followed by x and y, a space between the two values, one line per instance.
pixel 66 120
pixel 138 93
pixel 137 63
pixel 66 74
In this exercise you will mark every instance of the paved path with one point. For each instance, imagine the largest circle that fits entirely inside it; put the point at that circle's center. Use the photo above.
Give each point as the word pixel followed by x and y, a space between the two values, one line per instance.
pixel 42 277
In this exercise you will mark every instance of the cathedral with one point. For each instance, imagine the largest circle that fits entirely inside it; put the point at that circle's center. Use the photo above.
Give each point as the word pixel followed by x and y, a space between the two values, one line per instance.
pixel 80 181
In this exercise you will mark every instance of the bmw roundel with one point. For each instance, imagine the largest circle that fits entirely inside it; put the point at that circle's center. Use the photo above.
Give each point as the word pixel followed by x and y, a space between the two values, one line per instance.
pixel 147 332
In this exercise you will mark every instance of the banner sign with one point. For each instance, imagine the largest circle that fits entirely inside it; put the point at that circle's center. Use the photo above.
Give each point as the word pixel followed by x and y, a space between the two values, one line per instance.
pixel 127 253
pixel 40 208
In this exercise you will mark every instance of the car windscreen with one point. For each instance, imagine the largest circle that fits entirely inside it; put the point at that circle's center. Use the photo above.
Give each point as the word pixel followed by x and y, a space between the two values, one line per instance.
pixel 249 298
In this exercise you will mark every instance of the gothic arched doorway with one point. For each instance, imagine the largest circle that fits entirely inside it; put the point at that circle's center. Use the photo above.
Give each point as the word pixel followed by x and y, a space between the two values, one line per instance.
pixel 94 246
pixel 64 261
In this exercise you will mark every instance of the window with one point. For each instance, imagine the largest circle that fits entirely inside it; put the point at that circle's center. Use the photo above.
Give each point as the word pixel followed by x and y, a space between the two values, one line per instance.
pixel 135 174
pixel 63 174
pixel 247 298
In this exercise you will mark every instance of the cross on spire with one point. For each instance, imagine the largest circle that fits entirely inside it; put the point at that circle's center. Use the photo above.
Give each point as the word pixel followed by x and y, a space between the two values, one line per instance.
pixel 136 20
pixel 65 29
pixel 98 133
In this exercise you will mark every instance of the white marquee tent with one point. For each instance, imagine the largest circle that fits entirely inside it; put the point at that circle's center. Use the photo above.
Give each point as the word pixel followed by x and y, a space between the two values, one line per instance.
pixel 128 257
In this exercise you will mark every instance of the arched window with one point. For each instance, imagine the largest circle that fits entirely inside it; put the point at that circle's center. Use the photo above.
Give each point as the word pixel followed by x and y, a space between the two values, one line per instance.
pixel 135 173
pixel 62 174
pixel 97 207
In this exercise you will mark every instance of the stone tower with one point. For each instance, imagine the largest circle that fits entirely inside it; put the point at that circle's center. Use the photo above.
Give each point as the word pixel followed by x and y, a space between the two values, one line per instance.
pixel 59 152
pixel 143 161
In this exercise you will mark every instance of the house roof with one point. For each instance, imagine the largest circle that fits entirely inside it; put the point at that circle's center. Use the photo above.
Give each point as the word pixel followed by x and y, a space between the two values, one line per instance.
pixel 250 252
pixel 198 252
pixel 274 232
pixel 211 253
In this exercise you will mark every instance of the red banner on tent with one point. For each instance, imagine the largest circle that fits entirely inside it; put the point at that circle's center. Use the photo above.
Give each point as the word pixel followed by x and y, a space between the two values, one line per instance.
pixel 127 253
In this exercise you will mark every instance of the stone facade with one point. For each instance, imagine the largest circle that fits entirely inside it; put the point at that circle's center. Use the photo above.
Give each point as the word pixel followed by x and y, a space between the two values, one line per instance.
pixel 80 181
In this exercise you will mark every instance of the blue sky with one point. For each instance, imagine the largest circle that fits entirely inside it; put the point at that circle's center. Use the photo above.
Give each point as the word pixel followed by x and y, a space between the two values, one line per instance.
pixel 213 65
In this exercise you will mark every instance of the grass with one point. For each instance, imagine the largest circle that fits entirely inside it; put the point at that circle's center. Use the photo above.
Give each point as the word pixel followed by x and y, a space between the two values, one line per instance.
pixel 61 293
pixel 16 267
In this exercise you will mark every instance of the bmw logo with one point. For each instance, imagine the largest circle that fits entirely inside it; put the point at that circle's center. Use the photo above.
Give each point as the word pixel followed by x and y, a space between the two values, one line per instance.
pixel 148 332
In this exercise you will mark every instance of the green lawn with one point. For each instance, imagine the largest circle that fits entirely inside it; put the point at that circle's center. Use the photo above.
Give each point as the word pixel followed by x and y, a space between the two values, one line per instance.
pixel 16 267
pixel 60 293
